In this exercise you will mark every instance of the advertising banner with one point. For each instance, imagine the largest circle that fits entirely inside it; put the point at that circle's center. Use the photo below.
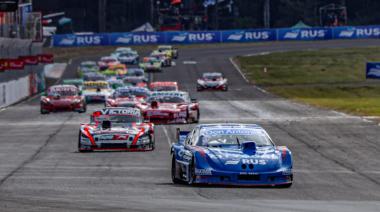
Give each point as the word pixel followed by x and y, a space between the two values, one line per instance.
pixel 373 71
pixel 136 38
pixel 304 34
pixel 248 35
pixel 359 32
pixel 193 37
pixel 73 40
pixel 46 58
pixel 30 60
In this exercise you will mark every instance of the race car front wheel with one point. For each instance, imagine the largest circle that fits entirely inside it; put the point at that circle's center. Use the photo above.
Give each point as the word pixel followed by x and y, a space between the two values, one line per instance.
pixel 174 172
pixel 80 149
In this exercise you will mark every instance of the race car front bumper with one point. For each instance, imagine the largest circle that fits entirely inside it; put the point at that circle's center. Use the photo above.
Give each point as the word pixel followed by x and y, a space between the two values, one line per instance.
pixel 118 147
pixel 277 178
pixel 67 107
pixel 212 88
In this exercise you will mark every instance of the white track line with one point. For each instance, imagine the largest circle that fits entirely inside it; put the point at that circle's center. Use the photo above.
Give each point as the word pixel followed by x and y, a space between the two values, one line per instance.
pixel 170 142
pixel 243 75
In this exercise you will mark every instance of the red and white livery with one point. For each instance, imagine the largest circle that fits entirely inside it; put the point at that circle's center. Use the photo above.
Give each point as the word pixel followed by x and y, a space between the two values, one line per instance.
pixel 120 129
pixel 171 107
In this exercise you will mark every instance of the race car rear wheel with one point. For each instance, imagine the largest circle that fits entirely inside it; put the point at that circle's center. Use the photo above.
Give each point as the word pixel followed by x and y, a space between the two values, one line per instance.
pixel 174 172
pixel 196 120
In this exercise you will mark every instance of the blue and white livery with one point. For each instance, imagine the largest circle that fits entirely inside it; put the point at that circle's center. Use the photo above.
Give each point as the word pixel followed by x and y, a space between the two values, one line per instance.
pixel 230 154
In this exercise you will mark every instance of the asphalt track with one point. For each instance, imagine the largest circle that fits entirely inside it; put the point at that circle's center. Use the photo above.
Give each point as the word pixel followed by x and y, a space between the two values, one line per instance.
pixel 336 156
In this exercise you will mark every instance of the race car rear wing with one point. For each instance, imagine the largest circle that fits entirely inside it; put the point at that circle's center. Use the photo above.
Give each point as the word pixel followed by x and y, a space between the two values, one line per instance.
pixel 182 135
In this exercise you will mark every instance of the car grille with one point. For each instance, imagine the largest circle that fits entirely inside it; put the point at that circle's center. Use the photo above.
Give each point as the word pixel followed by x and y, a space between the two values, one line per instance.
pixel 249 177
pixel 114 145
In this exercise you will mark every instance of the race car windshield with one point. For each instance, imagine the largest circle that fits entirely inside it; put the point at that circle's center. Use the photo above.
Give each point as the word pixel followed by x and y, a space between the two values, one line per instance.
pixel 126 55
pixel 144 93
pixel 122 94
pixel 167 99
pixel 164 88
pixel 120 121
pixel 135 73
pixel 221 140
pixel 71 92
pixel 212 77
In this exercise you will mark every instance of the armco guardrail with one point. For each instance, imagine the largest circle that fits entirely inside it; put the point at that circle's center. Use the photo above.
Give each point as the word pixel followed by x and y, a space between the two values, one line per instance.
pixel 228 36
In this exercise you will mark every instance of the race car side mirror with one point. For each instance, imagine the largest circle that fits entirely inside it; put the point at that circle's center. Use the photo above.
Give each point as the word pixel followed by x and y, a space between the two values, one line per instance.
pixel 194 100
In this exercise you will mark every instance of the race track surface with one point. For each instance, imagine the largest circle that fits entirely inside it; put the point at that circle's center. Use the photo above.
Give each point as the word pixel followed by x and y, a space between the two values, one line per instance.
pixel 336 156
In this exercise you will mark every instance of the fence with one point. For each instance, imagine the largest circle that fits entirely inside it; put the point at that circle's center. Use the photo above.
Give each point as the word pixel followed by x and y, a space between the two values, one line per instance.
pixel 229 36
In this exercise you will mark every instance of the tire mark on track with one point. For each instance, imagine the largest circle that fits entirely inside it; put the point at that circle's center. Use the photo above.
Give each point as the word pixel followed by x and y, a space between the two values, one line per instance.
pixel 325 156
pixel 35 155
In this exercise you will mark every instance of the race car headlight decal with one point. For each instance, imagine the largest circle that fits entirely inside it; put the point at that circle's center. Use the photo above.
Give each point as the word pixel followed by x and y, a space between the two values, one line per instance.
pixel 144 140
pixel 201 82
pixel 76 101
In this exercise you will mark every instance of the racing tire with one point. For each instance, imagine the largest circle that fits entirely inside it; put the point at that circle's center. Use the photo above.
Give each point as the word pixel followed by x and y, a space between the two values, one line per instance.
pixel 173 172
pixel 84 109
pixel 198 116
pixel 225 89
pixel 288 185
pixel 192 173
pixel 43 112
pixel 79 145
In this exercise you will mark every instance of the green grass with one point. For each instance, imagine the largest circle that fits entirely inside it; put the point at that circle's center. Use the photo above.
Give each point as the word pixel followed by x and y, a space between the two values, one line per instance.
pixel 333 79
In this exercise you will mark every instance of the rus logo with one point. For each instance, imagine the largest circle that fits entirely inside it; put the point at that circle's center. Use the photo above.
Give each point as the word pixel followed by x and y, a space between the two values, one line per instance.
pixel 89 40
pixel 201 37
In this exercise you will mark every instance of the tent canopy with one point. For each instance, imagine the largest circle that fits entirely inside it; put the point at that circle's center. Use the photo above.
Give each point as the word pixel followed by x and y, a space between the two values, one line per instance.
pixel 147 27
pixel 301 24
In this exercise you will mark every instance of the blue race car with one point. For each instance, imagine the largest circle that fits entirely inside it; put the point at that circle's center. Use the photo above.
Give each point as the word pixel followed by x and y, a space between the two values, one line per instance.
pixel 230 154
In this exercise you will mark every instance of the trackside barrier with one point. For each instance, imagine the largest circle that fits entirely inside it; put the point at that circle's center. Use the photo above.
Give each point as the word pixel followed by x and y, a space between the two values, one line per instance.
pixel 227 36
pixel 13 91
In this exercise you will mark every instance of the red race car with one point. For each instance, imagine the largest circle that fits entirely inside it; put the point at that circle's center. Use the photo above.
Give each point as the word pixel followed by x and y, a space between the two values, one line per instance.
pixel 163 86
pixel 123 97
pixel 62 98
pixel 212 81
pixel 119 129
pixel 172 107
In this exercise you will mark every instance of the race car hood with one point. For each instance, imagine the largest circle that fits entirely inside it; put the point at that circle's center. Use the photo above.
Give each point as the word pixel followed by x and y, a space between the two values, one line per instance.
pixel 67 100
pixel 169 107
pixel 266 159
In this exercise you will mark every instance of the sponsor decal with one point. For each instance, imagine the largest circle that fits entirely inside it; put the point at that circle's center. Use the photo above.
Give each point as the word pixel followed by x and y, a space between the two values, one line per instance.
pixel 304 34
pixel 121 111
pixel 68 41
pixel 232 162
pixel 30 60
pixel 230 132
pixel 203 172
pixel 349 33
pixel 373 71
pixel 253 161
pixel 179 38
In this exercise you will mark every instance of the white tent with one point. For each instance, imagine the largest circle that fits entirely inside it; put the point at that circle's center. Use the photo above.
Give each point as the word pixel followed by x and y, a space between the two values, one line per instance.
pixel 147 27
